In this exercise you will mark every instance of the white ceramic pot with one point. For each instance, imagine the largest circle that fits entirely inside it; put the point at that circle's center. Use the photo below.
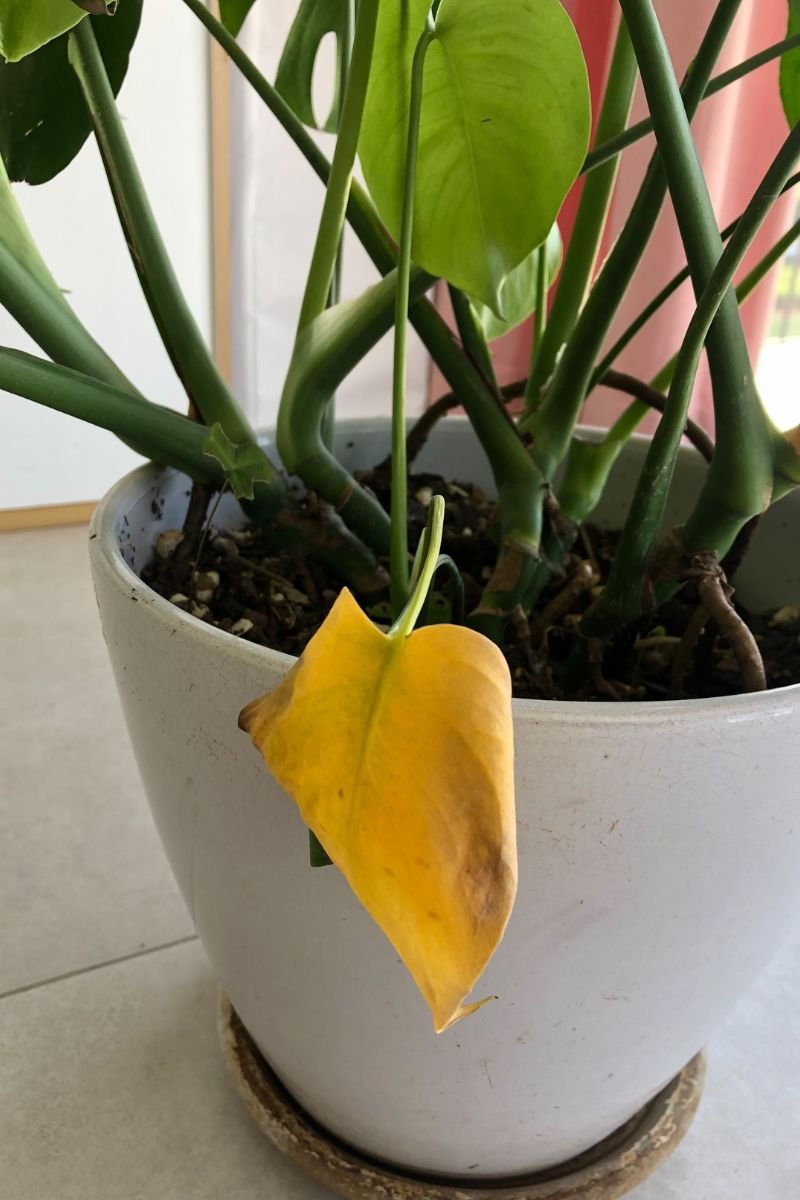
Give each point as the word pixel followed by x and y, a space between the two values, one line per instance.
pixel 659 853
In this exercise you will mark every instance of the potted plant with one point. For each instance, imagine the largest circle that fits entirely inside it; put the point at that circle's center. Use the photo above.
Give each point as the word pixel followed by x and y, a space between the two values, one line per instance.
pixel 649 868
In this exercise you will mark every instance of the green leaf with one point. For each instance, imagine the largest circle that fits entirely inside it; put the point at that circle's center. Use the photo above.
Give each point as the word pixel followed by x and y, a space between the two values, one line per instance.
pixel 43 117
pixel 518 289
pixel 25 25
pixel 790 69
pixel 315 19
pixel 504 130
pixel 232 13
pixel 244 463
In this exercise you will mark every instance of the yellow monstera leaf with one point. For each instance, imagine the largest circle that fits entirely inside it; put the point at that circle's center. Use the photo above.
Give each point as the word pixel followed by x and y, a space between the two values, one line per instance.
pixel 398 751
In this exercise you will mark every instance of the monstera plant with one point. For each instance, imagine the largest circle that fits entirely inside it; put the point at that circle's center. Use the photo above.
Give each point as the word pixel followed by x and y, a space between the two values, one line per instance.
pixel 471 122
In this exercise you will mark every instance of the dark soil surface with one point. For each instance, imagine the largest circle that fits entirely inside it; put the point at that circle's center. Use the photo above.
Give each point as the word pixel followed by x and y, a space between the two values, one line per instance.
pixel 241 584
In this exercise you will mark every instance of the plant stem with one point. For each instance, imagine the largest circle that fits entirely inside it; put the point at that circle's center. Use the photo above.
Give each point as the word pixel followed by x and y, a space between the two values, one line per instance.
pixel 160 434
pixel 742 457
pixel 516 476
pixel 720 512
pixel 584 242
pixel 399 492
pixel 360 210
pixel 615 145
pixel 540 315
pixel 427 563
pixel 669 289
pixel 472 339
pixel 177 326
pixel 588 464
pixel 325 352
pixel 53 325
pixel 656 401
pixel 424 425
pixel 31 295
pixel 344 50
pixel 551 425
pixel 498 439
pixel 740 482
pixel 318 285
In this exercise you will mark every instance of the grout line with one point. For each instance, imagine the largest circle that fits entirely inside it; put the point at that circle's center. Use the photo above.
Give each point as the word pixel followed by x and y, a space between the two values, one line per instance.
pixel 111 962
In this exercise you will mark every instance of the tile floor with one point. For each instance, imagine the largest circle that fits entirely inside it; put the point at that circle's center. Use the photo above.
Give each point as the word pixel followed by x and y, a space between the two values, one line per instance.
pixel 111 1084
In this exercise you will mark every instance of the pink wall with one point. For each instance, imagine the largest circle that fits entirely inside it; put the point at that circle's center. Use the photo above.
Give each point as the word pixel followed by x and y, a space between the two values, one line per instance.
pixel 737 132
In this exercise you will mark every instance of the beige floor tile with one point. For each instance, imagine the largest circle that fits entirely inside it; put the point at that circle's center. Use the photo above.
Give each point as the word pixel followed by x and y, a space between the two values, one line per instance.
pixel 745 1141
pixel 112 1087
pixel 82 875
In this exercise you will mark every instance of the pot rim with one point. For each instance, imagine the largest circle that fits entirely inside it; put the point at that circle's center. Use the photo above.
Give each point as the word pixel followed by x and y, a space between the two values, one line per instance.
pixel 107 556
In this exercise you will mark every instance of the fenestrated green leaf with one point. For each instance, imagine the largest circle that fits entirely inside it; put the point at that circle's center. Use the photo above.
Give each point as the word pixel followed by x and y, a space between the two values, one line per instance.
pixel 504 129
pixel 518 289
pixel 25 25
pixel 232 13
pixel 315 19
pixel 43 117
pixel 790 69
pixel 244 463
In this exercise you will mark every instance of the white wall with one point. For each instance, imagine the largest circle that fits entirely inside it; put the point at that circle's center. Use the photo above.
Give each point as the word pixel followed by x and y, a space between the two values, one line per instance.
pixel 276 204
pixel 46 458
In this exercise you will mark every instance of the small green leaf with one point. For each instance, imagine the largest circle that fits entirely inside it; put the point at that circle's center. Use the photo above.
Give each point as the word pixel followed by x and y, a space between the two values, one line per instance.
pixel 232 13
pixel 504 129
pixel 518 289
pixel 243 463
pixel 43 117
pixel 315 19
pixel 25 25
pixel 790 69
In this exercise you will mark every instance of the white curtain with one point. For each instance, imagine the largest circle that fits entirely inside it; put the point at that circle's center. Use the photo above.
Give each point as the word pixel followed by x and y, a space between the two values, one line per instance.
pixel 276 204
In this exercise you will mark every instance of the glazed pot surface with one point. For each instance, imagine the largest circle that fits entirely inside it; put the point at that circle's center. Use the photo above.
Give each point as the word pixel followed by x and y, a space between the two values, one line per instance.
pixel 658 870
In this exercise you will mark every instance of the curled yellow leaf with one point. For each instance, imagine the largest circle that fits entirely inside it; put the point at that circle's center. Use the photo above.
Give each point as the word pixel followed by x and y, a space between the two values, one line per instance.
pixel 399 754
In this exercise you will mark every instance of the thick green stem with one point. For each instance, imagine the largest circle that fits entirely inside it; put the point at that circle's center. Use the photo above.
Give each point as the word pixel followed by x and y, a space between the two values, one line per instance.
pixel 323 261
pixel 152 430
pixel 399 494
pixel 740 482
pixel 737 488
pixel 425 569
pixel 173 440
pixel 344 54
pixel 52 324
pixel 584 242
pixel 742 439
pixel 472 338
pixel 31 295
pixel 360 211
pixel 325 352
pixel 614 146
pixel 517 478
pixel 589 464
pixel 669 289
pixel 552 424
pixel 494 431
pixel 540 315
pixel 177 326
